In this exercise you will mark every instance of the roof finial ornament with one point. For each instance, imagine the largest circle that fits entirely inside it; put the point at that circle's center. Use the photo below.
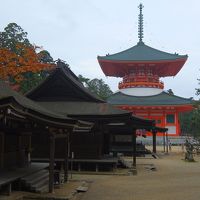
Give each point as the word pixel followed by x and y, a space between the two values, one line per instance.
pixel 140 23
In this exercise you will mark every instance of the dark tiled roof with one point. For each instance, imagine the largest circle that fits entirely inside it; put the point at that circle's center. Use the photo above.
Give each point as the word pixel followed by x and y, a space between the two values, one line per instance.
pixel 163 98
pixel 96 111
pixel 62 85
pixel 82 108
pixel 142 52
pixel 7 95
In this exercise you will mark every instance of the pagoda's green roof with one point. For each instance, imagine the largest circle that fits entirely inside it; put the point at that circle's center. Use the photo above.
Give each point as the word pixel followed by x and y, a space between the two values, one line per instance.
pixel 142 52
pixel 163 98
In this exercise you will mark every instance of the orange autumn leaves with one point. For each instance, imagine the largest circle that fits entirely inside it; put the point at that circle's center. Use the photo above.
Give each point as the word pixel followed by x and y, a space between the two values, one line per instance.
pixel 14 65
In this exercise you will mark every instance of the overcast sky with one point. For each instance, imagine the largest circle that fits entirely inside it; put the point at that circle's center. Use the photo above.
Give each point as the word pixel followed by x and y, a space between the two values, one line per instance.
pixel 78 30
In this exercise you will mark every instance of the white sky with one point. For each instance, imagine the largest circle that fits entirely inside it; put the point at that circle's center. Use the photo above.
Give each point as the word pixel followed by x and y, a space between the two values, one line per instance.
pixel 78 30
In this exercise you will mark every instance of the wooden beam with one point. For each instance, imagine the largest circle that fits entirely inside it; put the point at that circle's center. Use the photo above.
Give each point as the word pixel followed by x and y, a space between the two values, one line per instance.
pixel 61 135
pixel 51 162
pixel 58 133
pixel 26 133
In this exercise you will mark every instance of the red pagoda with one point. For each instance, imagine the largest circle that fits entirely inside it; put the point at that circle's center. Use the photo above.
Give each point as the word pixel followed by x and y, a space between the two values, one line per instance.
pixel 141 90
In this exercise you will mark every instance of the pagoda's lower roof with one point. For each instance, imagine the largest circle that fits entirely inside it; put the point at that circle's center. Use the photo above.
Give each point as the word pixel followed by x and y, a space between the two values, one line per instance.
pixel 162 99
pixel 121 63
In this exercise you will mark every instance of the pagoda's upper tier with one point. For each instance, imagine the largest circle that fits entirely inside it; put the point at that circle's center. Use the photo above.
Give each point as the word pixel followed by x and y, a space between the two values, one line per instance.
pixel 141 56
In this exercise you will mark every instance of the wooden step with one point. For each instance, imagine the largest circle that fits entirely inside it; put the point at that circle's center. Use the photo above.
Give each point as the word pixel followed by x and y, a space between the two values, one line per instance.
pixel 37 182
pixel 33 175
pixel 37 178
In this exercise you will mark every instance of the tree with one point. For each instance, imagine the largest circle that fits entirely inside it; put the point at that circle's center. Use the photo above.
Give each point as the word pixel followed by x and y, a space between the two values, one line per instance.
pixel 18 70
pixel 45 57
pixel 12 35
pixel 97 86
pixel 190 121
pixel 84 80
pixel 195 122
pixel 20 64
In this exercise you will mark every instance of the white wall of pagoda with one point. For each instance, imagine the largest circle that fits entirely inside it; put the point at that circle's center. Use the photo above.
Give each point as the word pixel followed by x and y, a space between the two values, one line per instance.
pixel 140 91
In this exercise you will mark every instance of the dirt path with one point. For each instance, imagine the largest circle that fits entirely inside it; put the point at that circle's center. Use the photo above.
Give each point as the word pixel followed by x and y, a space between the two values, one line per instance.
pixel 174 179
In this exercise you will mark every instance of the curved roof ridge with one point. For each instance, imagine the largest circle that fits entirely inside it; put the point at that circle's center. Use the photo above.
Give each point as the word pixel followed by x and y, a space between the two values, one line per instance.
pixel 68 76
pixel 163 98
pixel 40 84
pixel 185 55
pixel 134 95
pixel 163 92
pixel 141 46
pixel 76 80
pixel 190 98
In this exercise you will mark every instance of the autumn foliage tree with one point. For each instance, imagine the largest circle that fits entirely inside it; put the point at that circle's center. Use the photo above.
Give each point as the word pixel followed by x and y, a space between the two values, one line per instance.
pixel 20 64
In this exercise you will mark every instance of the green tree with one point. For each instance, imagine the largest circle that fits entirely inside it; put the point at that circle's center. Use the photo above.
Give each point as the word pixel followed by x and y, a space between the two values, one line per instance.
pixel 84 80
pixel 195 119
pixel 12 35
pixel 97 87
pixel 45 57
pixel 187 123
pixel 190 121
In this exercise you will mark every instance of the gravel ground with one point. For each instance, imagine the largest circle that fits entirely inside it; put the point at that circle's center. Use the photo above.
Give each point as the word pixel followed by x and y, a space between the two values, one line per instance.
pixel 174 179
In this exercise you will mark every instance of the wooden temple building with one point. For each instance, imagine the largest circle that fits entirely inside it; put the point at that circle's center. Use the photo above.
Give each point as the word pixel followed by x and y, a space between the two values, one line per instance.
pixel 21 119
pixel 62 123
pixel 63 93
pixel 141 90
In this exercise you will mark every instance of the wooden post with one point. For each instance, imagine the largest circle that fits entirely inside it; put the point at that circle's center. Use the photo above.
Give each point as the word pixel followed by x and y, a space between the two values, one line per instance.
pixel 51 162
pixel 66 165
pixel 97 167
pixel 29 149
pixel 2 144
pixel 164 141
pixel 134 147
pixel 154 141
pixel 21 152
pixel 100 133
pixel 9 189
pixel 167 142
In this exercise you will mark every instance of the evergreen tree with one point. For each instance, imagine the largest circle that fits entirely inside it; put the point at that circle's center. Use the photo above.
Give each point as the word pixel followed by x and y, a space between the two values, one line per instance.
pixel 97 87
pixel 12 35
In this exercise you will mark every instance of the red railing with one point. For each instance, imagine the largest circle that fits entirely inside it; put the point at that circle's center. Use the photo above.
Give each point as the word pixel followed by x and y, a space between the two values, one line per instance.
pixel 123 85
